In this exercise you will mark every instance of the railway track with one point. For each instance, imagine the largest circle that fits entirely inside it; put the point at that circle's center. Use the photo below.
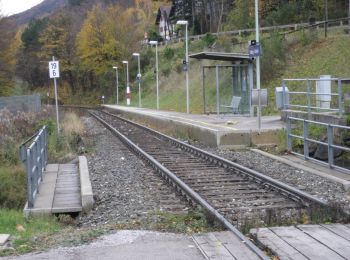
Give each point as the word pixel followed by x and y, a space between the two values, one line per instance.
pixel 236 196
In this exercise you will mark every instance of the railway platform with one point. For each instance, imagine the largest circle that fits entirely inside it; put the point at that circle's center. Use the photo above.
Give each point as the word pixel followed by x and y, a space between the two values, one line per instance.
pixel 224 131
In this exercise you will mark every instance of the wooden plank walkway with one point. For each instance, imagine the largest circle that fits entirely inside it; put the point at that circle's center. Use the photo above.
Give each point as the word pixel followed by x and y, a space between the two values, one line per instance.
pixel 223 245
pixel 326 241
pixel 59 192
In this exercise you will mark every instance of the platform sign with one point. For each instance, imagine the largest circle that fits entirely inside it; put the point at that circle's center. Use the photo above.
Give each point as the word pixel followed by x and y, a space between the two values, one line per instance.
pixel 54 69
pixel 254 50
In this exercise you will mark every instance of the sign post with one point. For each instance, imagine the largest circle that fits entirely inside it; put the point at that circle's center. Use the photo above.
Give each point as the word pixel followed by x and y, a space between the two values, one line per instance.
pixel 54 71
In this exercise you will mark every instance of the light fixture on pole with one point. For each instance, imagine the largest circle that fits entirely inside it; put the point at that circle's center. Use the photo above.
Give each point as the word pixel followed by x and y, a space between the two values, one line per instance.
pixel 156 44
pixel 117 82
pixel 138 77
pixel 128 95
pixel 183 22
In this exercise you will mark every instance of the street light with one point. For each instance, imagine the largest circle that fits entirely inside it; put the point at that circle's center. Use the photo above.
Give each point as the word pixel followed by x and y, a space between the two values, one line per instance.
pixel 183 22
pixel 156 44
pixel 127 83
pixel 138 75
pixel 258 63
pixel 117 82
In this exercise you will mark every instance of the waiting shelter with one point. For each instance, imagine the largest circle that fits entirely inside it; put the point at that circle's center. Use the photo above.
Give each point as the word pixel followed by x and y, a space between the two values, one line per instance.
pixel 232 83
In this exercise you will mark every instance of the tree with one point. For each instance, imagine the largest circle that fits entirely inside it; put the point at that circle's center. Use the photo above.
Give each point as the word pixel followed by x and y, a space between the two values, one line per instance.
pixel 107 36
pixel 56 41
pixel 29 66
pixel 7 59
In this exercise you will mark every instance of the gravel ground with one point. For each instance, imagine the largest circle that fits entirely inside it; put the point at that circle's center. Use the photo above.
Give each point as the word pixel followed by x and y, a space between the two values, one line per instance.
pixel 124 187
pixel 318 186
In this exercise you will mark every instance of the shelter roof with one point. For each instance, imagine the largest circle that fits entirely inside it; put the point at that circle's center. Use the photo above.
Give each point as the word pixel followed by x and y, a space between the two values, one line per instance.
pixel 221 56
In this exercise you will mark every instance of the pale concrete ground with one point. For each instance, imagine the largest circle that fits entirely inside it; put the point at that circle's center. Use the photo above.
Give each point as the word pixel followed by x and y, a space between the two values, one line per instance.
pixel 213 122
pixel 126 244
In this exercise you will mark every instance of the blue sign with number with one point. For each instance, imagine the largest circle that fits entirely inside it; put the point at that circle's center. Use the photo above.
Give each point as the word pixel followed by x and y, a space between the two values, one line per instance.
pixel 254 50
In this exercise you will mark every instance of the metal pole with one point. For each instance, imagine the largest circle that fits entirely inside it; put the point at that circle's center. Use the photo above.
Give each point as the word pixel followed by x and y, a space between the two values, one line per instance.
pixel 127 85
pixel 217 91
pixel 326 19
pixel 56 101
pixel 330 145
pixel 340 102
pixel 187 68
pixel 157 76
pixel 204 98
pixel 257 63
pixel 139 79
pixel 117 86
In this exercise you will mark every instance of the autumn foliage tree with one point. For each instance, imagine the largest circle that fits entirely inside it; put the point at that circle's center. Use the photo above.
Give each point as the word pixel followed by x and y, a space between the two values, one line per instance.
pixel 107 37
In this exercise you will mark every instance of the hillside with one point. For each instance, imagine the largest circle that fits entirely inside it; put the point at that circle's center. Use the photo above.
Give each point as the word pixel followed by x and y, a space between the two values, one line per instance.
pixel 43 9
pixel 322 56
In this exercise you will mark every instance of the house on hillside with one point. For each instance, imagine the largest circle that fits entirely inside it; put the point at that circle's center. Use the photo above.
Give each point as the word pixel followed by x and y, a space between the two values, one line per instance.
pixel 165 27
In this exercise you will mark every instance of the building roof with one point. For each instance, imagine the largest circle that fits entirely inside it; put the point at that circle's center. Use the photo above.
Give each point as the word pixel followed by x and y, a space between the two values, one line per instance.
pixel 221 56
pixel 165 10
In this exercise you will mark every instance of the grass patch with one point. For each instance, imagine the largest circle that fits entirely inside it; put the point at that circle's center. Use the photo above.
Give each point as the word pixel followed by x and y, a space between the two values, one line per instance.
pixel 24 232
pixel 195 221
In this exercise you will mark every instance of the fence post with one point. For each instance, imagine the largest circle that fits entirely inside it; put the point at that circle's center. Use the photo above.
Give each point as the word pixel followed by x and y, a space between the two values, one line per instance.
pixel 289 131
pixel 340 98
pixel 330 145
pixel 306 136
pixel 45 146
pixel 308 98
pixel 29 179
pixel 283 94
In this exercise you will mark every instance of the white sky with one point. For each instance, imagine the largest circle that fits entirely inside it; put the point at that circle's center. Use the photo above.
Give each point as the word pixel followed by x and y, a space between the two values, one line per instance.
pixel 8 7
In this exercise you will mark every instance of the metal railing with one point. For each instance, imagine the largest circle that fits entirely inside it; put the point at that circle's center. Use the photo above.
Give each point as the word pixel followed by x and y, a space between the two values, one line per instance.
pixel 34 156
pixel 307 140
pixel 285 28
pixel 310 98
pixel 15 104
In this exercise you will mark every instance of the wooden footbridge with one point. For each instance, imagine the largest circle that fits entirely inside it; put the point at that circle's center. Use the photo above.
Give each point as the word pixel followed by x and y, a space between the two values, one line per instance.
pixel 54 188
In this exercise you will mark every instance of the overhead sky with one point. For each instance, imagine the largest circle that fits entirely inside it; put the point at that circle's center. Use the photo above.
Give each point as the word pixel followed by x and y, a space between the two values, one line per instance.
pixel 9 7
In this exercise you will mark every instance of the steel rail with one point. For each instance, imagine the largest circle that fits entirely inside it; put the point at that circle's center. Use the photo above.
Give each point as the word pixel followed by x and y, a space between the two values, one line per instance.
pixel 185 188
pixel 260 178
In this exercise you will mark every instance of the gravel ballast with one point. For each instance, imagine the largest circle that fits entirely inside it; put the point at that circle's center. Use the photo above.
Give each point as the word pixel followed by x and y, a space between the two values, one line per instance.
pixel 125 188
pixel 316 185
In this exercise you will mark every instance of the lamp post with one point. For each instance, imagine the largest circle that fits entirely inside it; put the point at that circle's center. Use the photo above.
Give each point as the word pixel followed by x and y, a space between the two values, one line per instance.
pixel 183 22
pixel 258 63
pixel 127 83
pixel 138 74
pixel 117 82
pixel 156 44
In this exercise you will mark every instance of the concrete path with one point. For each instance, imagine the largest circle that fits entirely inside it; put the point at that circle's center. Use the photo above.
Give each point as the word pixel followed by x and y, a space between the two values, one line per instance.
pixel 124 244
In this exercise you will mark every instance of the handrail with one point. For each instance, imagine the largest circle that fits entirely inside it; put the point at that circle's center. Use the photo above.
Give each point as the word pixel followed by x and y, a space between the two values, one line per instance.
pixel 330 144
pixel 34 156
pixel 334 96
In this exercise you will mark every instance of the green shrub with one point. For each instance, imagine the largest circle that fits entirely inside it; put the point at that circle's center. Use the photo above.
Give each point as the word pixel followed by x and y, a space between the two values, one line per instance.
pixel 168 53
pixel 13 187
pixel 209 39
pixel 273 56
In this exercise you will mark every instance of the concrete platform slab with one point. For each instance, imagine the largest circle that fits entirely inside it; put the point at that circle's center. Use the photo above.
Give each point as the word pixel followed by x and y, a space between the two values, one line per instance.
pixel 312 167
pixel 4 238
pixel 225 131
